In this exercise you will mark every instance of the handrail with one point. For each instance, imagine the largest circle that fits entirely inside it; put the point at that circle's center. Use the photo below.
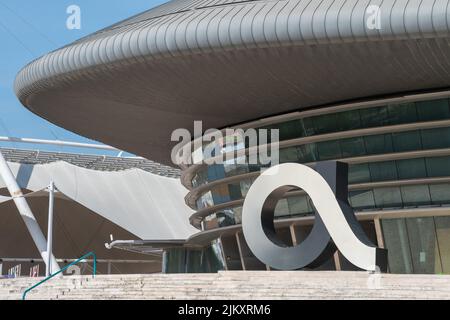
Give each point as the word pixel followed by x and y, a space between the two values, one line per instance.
pixel 62 270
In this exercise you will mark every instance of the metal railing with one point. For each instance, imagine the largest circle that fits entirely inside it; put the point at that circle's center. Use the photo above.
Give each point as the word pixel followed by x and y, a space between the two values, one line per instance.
pixel 24 295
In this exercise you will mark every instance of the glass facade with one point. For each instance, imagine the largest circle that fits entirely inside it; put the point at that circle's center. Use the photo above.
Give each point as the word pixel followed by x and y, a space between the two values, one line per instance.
pixel 418 168
pixel 415 245
pixel 418 245
pixel 416 140
pixel 392 114
pixel 361 200
pixel 190 260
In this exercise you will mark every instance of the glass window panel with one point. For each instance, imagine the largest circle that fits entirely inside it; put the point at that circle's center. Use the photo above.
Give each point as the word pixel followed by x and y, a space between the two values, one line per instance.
pixel 374 117
pixel 174 260
pixel 215 172
pixel 443 237
pixel 194 261
pixel 289 155
pixel 436 138
pixel 282 208
pixel 362 199
pixel 298 205
pixel 433 110
pixel 200 178
pixel 411 168
pixel 221 194
pixel 236 169
pixel 438 166
pixel 329 150
pixel 415 195
pixel 353 147
pixel 383 171
pixel 245 186
pixel 234 190
pixel 402 113
pixel 358 173
pixel 287 130
pixel 205 201
pixel 290 130
pixel 348 120
pixel 229 167
pixel 225 218
pixel 254 167
pixel 388 197
pixel 379 144
pixel 424 249
pixel 308 153
pixel 325 123
pixel 407 141
pixel 395 236
pixel 440 193
pixel 307 126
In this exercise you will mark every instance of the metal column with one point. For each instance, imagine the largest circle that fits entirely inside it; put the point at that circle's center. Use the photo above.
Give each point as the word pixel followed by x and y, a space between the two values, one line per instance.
pixel 25 212
pixel 51 200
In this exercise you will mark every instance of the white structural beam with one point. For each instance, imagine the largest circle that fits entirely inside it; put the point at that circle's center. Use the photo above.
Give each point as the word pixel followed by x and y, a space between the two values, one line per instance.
pixel 51 200
pixel 58 143
pixel 65 144
pixel 26 213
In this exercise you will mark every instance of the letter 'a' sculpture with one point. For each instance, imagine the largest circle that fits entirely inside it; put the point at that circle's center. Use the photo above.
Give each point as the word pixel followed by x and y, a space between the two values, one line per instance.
pixel 335 222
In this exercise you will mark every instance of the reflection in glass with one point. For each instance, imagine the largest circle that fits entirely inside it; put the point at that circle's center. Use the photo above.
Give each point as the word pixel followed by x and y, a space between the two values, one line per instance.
pixel 189 260
pixel 396 241
pixel 424 249
pixel 443 236
pixel 418 245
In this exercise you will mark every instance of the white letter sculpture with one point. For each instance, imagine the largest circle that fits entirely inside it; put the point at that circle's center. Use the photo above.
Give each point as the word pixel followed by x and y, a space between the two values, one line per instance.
pixel 327 186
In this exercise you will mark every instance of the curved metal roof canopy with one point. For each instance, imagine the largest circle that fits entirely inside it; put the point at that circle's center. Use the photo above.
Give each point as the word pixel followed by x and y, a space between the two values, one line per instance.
pixel 225 62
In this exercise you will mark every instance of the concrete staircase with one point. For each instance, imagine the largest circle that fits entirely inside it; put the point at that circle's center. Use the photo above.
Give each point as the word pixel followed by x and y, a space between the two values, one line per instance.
pixel 235 285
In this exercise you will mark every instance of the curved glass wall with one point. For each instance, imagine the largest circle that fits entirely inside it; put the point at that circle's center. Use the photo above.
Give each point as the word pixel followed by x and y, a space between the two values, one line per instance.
pixel 362 118
pixel 392 114
pixel 418 245
pixel 415 140
pixel 431 167
pixel 415 245
pixel 362 200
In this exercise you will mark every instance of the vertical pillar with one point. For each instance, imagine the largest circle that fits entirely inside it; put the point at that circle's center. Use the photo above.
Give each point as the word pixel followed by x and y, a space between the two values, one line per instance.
pixel 51 200
pixel 224 255
pixel 293 235
pixel 379 232
pixel 241 256
pixel 25 211
pixel 337 261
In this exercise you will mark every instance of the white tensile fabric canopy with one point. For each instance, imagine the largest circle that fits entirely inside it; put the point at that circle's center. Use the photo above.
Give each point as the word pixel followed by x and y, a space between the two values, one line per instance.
pixel 147 205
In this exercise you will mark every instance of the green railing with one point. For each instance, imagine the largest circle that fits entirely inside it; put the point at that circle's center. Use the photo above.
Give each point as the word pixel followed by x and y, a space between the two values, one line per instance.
pixel 62 270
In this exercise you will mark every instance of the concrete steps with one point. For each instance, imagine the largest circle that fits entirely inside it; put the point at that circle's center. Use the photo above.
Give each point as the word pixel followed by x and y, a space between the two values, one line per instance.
pixel 235 285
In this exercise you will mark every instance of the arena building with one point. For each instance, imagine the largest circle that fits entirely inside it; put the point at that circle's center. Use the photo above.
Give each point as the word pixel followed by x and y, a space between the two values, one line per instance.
pixel 336 85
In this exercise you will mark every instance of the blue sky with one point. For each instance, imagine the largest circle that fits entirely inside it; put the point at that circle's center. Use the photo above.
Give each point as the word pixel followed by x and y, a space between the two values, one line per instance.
pixel 31 28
